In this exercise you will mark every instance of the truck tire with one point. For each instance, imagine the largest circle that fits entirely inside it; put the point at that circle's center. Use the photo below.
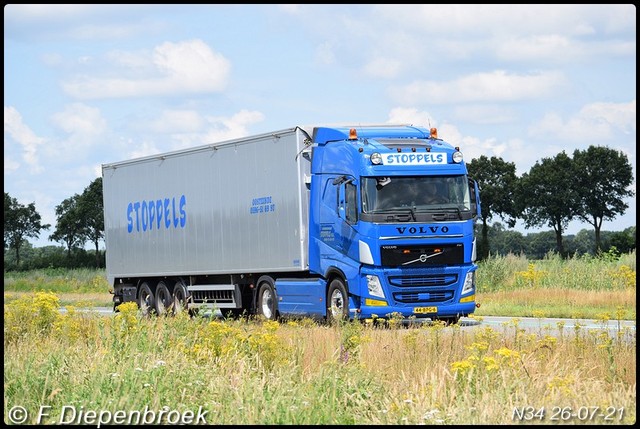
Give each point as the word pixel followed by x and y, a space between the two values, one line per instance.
pixel 164 299
pixel 267 304
pixel 179 297
pixel 146 299
pixel 338 301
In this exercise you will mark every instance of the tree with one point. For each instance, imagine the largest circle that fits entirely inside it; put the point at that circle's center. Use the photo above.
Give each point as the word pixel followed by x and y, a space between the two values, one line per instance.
pixel 497 180
pixel 70 228
pixel 624 241
pixel 91 209
pixel 20 222
pixel 547 196
pixel 603 176
pixel 506 241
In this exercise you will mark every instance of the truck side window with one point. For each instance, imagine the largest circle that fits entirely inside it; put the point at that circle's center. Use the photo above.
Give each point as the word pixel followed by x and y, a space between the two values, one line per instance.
pixel 351 203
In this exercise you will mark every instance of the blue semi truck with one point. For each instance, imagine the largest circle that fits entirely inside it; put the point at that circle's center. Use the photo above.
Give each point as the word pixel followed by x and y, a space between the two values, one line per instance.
pixel 327 222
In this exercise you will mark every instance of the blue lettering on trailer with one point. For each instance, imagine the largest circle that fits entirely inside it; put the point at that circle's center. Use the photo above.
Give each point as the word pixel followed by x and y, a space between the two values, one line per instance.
pixel 262 205
pixel 146 214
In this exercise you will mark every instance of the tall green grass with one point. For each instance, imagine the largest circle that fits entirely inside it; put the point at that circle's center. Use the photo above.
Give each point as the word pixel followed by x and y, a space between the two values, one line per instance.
pixel 511 285
pixel 585 273
pixel 579 287
pixel 299 372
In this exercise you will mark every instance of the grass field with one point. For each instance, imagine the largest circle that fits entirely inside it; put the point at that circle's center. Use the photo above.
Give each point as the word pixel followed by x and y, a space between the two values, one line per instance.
pixel 584 287
pixel 79 368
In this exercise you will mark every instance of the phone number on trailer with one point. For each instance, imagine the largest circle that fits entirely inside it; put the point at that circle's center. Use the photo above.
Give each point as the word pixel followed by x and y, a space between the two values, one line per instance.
pixel 592 413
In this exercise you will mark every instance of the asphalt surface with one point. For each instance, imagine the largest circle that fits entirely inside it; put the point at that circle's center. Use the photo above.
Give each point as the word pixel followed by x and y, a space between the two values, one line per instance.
pixel 544 326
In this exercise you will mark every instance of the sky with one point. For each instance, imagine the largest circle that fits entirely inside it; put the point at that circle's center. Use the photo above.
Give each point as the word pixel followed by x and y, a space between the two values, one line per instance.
pixel 86 85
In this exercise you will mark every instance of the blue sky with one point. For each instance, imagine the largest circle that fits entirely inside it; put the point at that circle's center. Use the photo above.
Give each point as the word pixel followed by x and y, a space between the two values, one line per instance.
pixel 86 85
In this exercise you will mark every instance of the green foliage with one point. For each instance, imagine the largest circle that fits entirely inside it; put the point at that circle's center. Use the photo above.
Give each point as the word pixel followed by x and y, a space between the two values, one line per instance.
pixel 547 196
pixel 70 228
pixel 57 280
pixel 265 374
pixel 497 181
pixel 603 177
pixel 604 272
pixel 20 222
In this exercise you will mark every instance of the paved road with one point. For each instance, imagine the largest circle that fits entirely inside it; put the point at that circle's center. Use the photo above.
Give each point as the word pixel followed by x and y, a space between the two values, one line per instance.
pixel 545 326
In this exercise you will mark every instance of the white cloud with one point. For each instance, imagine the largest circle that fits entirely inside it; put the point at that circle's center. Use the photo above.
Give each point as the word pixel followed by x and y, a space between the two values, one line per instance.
pixel 484 114
pixel 383 67
pixel 514 19
pixel 222 128
pixel 80 119
pixel 407 115
pixel 486 87
pixel 10 165
pixel 595 121
pixel 145 149
pixel 324 54
pixel 21 133
pixel 177 121
pixel 190 129
pixel 555 48
pixel 178 68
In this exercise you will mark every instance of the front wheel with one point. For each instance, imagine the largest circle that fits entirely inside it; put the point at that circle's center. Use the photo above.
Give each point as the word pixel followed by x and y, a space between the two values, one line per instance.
pixel 338 301
pixel 267 300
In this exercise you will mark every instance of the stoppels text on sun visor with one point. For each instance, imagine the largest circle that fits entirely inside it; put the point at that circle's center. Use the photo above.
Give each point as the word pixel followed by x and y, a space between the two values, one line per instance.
pixel 163 213
pixel 415 158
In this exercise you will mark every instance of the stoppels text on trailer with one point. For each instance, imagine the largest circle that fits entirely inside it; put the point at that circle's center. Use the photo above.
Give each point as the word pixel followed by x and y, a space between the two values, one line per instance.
pixel 327 222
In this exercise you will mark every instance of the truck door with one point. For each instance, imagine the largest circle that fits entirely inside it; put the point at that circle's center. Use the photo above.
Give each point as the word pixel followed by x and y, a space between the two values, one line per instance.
pixel 347 215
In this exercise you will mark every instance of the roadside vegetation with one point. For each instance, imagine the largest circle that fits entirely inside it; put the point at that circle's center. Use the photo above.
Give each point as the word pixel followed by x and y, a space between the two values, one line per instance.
pixel 579 287
pixel 302 372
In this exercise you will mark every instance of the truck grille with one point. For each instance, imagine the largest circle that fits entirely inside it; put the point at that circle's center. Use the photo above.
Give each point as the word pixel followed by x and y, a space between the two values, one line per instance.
pixel 415 298
pixel 422 287
pixel 422 256
pixel 428 280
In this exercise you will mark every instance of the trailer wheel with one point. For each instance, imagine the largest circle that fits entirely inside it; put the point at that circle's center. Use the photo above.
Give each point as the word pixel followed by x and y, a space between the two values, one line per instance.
pixel 146 299
pixel 338 301
pixel 267 300
pixel 179 298
pixel 164 299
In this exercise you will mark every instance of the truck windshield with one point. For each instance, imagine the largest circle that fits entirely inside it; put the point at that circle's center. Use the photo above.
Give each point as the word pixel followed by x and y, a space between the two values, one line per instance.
pixel 388 194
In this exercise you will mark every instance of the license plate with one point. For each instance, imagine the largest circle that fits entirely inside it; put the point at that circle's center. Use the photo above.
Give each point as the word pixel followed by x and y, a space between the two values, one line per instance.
pixel 425 310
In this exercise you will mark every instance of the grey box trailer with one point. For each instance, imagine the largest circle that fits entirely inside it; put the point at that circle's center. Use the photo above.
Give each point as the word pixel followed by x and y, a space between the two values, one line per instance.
pixel 236 207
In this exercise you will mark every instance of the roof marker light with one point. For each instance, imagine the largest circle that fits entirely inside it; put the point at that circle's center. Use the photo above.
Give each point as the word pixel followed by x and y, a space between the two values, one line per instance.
pixel 433 133
pixel 353 135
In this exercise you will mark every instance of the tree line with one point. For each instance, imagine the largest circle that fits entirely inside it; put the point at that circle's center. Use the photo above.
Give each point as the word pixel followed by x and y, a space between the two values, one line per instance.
pixel 590 186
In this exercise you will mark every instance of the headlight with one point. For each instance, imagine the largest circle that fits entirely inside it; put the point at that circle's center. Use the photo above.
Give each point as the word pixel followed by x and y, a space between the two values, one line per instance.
pixel 469 282
pixel 376 158
pixel 374 286
pixel 457 157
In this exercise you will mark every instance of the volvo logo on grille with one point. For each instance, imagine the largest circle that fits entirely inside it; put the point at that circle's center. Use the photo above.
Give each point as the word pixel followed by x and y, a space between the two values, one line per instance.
pixel 423 257
pixel 422 229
